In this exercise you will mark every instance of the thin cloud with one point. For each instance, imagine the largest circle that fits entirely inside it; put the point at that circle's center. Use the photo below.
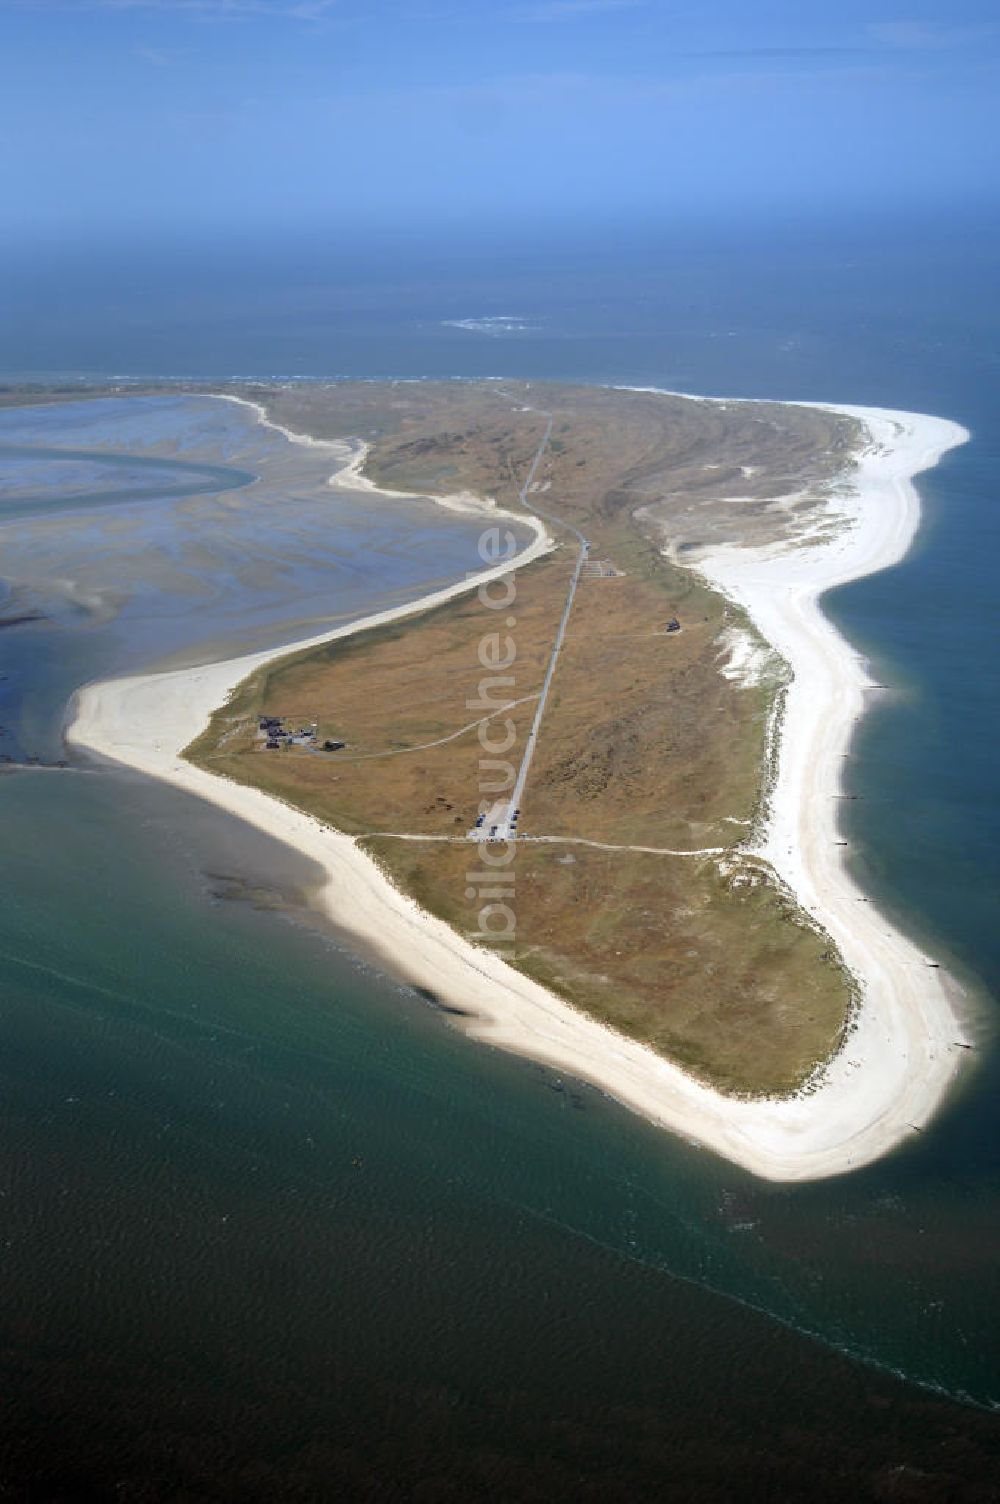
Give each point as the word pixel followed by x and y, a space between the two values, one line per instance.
pixel 735 54
pixel 553 11
pixel 154 55
pixel 213 10
pixel 920 36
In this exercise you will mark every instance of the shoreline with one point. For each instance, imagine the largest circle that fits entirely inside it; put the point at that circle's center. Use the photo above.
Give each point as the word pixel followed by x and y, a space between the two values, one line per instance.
pixel 900 1056
pixel 906 1030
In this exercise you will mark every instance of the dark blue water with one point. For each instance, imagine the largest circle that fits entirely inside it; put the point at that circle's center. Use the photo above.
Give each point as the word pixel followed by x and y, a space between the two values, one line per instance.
pixel 281 1207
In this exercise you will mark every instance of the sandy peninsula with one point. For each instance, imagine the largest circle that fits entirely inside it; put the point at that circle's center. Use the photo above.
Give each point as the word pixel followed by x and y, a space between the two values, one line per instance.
pixel 905 1044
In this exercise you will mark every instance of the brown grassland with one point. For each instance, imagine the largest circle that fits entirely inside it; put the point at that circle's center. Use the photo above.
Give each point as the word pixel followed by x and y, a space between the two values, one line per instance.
pixel 645 744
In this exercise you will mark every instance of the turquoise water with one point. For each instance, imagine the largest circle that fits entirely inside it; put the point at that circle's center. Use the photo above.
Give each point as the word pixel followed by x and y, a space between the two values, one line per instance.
pixel 270 1221
pixel 263 1212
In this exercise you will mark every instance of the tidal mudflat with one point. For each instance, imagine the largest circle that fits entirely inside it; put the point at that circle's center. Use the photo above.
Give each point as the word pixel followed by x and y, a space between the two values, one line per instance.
pixel 174 529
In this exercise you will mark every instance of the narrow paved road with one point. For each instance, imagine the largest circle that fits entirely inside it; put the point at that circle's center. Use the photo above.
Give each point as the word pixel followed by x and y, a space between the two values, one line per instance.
pixel 506 830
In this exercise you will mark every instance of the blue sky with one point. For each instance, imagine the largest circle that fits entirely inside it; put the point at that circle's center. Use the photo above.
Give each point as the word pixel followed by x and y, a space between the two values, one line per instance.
pixel 142 115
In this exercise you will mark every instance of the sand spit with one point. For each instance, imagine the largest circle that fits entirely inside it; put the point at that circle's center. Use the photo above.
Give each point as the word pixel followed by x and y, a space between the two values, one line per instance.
pixel 903 1051
pixel 349 475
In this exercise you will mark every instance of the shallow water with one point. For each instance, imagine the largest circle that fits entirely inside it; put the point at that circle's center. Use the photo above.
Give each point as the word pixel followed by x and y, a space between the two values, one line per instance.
pixel 184 571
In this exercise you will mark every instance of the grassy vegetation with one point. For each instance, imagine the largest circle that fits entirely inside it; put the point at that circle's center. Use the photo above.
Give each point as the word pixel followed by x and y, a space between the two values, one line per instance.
pixel 645 743
pixel 719 973
pixel 387 692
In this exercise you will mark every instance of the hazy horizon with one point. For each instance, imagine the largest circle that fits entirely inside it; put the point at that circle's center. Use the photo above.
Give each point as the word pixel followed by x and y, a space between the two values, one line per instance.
pixel 134 118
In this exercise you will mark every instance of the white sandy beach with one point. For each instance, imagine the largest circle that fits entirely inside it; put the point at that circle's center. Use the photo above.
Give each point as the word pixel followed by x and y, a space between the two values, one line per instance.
pixel 902 1054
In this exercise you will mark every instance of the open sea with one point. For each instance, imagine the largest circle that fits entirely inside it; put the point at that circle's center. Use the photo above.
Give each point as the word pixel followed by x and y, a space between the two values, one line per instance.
pixel 269 1227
